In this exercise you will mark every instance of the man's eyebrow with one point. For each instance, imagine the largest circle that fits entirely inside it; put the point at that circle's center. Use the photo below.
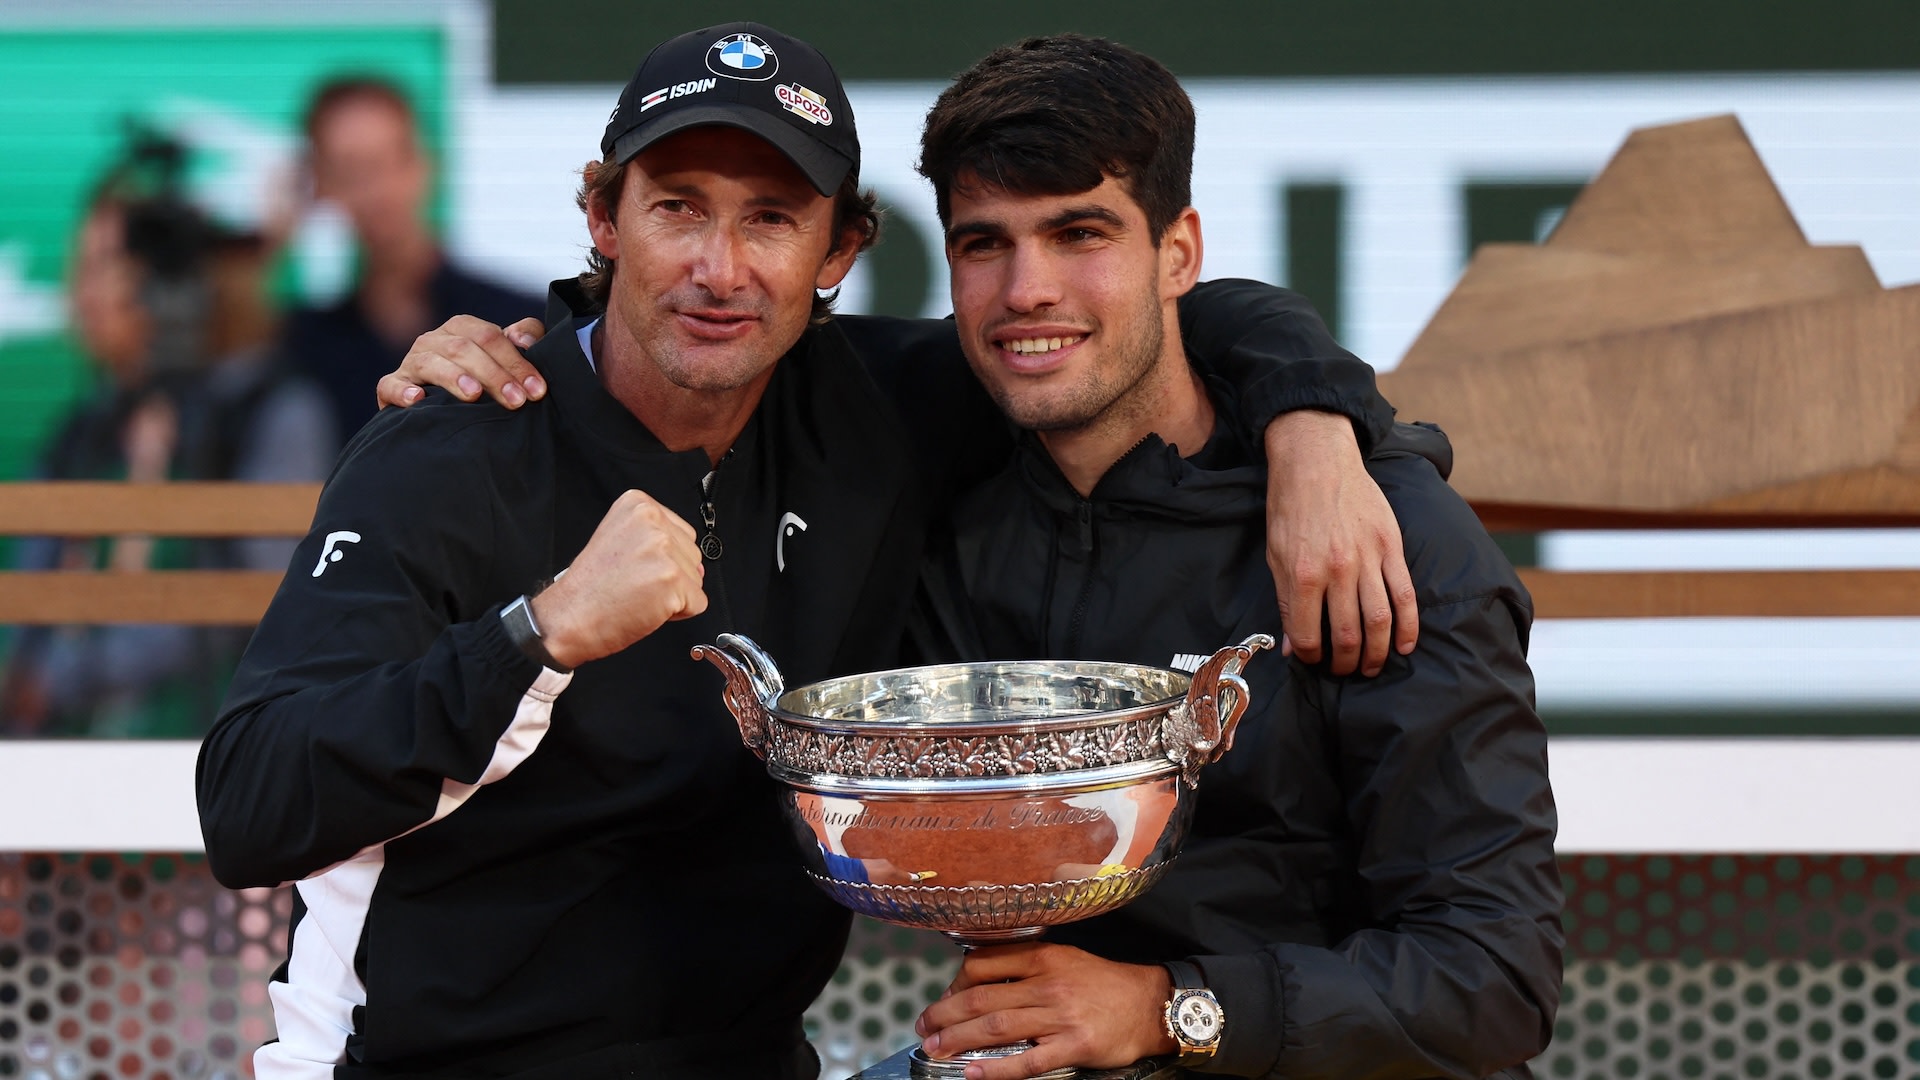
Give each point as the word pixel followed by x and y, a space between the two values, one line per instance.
pixel 978 227
pixel 678 189
pixel 1093 212
pixel 690 189
pixel 779 202
pixel 1069 216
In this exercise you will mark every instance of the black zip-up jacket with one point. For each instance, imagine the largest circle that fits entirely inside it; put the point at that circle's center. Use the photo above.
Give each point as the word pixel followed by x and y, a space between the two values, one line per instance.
pixel 504 869
pixel 473 841
pixel 1369 886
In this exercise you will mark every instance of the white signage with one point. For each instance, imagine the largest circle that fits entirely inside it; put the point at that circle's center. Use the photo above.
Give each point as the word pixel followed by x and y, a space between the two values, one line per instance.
pixel 1844 149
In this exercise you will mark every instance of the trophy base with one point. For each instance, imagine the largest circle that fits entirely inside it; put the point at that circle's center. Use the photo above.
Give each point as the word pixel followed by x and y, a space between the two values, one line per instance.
pixel 974 939
pixel 902 1066
pixel 922 1067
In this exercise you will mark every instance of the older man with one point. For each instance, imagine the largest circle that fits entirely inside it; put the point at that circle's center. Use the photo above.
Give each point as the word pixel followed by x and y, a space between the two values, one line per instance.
pixel 508 867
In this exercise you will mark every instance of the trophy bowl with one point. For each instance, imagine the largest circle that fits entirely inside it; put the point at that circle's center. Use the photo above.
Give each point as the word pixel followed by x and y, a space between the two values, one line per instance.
pixel 987 801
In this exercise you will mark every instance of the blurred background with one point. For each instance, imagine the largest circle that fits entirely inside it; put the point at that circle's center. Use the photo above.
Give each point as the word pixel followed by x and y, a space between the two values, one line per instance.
pixel 1358 152
pixel 192 234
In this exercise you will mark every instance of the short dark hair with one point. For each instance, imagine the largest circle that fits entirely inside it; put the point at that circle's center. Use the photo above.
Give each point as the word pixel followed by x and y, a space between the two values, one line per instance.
pixel 1056 116
pixel 339 91
pixel 603 182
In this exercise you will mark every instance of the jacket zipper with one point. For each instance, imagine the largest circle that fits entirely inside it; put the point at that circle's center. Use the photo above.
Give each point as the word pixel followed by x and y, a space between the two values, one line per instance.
pixel 710 546
pixel 1078 621
pixel 1083 511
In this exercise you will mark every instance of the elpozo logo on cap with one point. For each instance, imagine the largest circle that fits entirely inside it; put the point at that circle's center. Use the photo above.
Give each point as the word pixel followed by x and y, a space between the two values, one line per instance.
pixel 743 56
pixel 804 103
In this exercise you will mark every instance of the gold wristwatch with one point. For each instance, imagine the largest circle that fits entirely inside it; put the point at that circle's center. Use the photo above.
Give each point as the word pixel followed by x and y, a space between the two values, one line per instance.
pixel 1194 1017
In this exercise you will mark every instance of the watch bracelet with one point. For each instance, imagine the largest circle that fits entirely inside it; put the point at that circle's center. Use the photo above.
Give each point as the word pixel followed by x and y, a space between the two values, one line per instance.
pixel 517 618
pixel 1185 978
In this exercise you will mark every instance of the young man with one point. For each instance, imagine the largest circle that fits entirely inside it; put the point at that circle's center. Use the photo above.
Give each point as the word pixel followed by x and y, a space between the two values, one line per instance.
pixel 510 867
pixel 1369 888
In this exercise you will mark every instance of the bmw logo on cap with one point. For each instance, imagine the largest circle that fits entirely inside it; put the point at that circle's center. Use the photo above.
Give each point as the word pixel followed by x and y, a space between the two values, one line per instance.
pixel 743 56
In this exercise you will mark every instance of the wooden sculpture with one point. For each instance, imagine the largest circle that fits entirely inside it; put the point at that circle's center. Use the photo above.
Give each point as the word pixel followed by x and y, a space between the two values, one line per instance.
pixel 1676 352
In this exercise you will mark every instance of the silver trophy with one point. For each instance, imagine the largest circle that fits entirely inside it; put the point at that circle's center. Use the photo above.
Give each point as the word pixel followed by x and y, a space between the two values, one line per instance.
pixel 987 801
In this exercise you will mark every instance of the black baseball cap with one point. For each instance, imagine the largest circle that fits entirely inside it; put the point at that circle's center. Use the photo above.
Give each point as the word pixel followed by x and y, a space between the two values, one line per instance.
pixel 744 75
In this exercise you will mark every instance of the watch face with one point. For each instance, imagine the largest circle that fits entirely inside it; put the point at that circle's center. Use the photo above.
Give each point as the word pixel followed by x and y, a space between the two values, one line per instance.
pixel 1198 1018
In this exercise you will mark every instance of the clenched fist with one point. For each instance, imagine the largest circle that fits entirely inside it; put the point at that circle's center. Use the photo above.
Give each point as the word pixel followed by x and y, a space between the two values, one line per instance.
pixel 641 569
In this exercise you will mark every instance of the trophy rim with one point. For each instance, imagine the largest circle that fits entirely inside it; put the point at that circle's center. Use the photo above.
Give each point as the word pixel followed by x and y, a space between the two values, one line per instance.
pixel 1183 680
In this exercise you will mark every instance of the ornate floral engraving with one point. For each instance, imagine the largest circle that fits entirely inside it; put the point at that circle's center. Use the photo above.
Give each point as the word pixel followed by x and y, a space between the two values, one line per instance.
pixel 922 755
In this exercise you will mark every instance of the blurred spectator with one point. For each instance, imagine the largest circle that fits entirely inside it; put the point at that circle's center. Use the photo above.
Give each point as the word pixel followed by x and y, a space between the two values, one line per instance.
pixel 156 289
pixel 71 680
pixel 258 420
pixel 366 156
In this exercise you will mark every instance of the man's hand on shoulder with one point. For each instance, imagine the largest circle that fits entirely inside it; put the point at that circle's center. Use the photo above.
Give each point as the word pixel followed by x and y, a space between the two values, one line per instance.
pixel 1077 1008
pixel 640 570
pixel 1332 539
pixel 466 356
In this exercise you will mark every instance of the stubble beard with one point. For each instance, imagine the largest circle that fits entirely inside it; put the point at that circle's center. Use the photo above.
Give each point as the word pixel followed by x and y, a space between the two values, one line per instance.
pixel 726 367
pixel 1103 397
pixel 705 377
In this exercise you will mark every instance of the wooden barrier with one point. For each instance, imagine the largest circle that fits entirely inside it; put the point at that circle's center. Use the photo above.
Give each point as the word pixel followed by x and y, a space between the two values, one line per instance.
pixel 1656 594
pixel 186 597
pixel 238 597
pixel 1637 594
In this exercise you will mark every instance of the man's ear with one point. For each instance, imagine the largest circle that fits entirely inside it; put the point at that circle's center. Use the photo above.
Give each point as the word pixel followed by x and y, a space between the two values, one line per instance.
pixel 840 260
pixel 600 226
pixel 1180 254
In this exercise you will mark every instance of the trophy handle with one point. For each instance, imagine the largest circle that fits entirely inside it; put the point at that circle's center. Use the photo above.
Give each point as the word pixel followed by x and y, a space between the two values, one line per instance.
pixel 1200 729
pixel 753 684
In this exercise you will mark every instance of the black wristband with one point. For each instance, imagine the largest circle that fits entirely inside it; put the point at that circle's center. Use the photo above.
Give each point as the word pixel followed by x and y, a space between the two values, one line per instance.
pixel 517 618
pixel 1185 975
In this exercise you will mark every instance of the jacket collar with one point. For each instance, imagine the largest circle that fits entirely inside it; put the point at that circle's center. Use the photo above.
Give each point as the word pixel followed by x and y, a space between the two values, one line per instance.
pixel 1221 482
pixel 591 414
pixel 1226 480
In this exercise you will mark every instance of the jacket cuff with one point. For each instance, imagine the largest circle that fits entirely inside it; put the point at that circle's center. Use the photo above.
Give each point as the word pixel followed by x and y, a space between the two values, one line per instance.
pixel 1250 993
pixel 489 642
pixel 1316 384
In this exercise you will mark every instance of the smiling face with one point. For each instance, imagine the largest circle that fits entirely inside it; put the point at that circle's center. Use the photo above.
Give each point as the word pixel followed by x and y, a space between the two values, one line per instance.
pixel 1062 302
pixel 718 245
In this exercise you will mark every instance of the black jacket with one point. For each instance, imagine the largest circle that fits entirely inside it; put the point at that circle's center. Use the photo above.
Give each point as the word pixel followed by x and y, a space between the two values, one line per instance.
pixel 473 841
pixel 501 867
pixel 1369 886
